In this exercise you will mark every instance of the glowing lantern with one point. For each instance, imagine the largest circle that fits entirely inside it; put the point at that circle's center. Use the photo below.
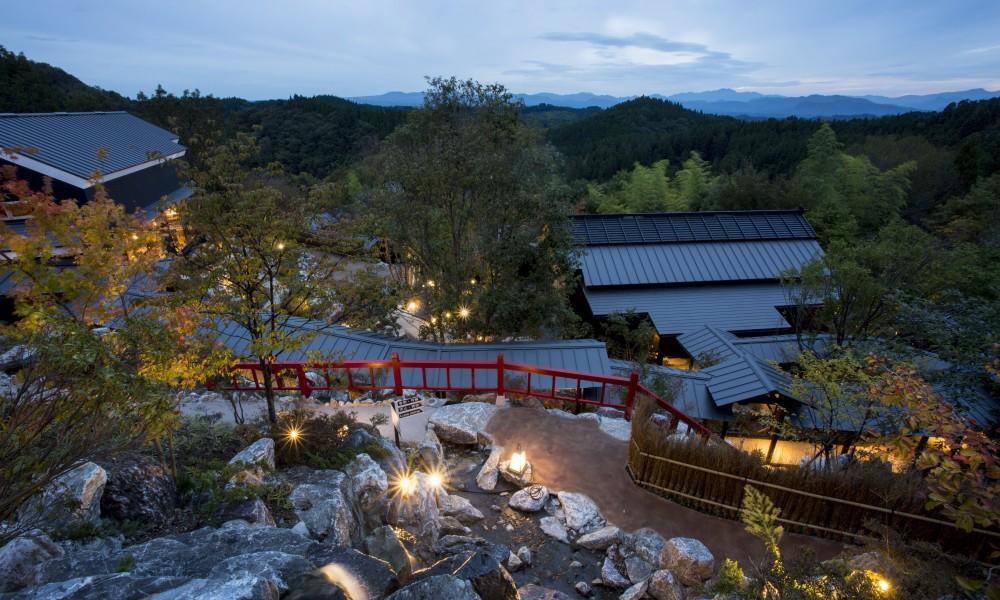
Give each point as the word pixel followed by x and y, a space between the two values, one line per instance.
pixel 518 462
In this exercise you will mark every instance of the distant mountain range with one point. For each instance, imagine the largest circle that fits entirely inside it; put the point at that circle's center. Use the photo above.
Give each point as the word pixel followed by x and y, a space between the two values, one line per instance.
pixel 730 102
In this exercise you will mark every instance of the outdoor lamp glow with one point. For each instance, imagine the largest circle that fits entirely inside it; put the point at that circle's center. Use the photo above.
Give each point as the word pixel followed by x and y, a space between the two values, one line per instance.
pixel 413 305
pixel 518 462
pixel 884 585
pixel 406 484
pixel 463 312
pixel 280 246
pixel 436 479
pixel 293 434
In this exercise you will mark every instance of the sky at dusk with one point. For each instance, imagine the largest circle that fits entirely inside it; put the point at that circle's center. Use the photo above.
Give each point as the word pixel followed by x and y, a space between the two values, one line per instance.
pixel 273 49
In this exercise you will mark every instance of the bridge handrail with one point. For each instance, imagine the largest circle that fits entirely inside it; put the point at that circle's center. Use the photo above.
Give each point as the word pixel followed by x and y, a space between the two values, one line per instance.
pixel 395 366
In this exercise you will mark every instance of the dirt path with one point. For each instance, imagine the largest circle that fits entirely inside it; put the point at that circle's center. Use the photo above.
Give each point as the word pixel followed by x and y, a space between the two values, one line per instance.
pixel 574 455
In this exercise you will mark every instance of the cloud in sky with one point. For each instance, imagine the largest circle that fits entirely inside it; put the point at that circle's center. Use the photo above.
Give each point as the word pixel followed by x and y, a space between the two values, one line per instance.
pixel 258 49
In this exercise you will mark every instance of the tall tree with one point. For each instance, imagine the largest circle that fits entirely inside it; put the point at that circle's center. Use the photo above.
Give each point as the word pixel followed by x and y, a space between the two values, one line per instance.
pixel 280 264
pixel 469 197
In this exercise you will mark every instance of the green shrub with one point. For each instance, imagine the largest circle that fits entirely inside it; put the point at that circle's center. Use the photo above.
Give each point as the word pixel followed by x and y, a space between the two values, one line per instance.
pixel 125 564
pixel 319 440
pixel 200 441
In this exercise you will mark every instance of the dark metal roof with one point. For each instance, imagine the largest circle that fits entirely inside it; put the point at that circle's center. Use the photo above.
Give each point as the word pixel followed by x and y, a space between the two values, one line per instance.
pixel 709 341
pixel 692 396
pixel 677 310
pixel 71 142
pixel 744 378
pixel 697 262
pixel 342 343
pixel 658 228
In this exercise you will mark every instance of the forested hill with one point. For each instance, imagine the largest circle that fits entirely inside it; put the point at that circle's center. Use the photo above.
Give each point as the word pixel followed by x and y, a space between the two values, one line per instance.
pixel 647 130
pixel 309 136
pixel 29 86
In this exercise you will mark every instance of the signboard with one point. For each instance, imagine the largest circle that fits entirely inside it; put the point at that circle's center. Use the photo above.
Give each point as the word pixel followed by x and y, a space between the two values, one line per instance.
pixel 409 406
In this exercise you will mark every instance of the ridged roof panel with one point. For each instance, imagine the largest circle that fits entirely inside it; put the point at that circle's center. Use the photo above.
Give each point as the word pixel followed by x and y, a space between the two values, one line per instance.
pixel 658 228
pixel 82 143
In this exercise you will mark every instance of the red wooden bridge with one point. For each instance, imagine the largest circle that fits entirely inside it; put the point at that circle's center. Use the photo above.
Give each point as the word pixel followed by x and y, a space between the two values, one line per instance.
pixel 503 378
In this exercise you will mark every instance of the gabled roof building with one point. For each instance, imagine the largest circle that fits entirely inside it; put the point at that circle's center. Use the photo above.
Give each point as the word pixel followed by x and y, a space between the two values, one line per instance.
pixel 685 271
pixel 129 156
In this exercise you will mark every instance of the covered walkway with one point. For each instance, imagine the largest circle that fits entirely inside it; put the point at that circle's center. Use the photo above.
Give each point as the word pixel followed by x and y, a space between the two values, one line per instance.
pixel 574 455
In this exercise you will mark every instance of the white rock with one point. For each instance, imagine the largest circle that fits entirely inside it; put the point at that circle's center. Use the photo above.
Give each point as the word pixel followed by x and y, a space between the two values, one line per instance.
pixel 78 491
pixel 663 585
pixel 611 576
pixel 582 515
pixel 462 423
pixel 620 429
pixel 689 559
pixel 301 528
pixel 600 539
pixel 529 499
pixel 456 506
pixel 514 563
pixel 487 477
pixel 524 553
pixel 368 482
pixel 635 592
pixel 259 453
pixel 583 588
pixel 553 527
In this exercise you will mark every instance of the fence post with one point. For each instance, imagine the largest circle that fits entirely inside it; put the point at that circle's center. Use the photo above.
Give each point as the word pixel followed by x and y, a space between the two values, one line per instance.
pixel 397 377
pixel 633 383
pixel 304 386
pixel 500 386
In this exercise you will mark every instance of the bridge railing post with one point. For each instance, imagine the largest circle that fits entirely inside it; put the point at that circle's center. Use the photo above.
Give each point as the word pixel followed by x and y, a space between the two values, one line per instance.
pixel 633 385
pixel 500 369
pixel 397 376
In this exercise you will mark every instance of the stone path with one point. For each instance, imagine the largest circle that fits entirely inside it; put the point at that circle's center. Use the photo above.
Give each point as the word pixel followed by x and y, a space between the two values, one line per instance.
pixel 574 455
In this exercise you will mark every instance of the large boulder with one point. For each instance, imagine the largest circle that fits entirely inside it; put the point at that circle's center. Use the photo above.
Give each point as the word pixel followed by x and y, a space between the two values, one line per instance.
pixel 257 454
pixel 321 503
pixel 252 511
pixel 418 511
pixel 238 562
pixel 437 587
pixel 116 586
pixel 356 573
pixel 600 539
pixel 138 489
pixel 430 451
pixel 240 586
pixel 647 544
pixel 73 496
pixel 391 459
pixel 368 485
pixel 689 559
pixel 453 545
pixel 488 576
pixel 20 557
pixel 456 506
pixel 529 499
pixel 461 423
pixel 384 544
pixel 582 515
pixel 663 585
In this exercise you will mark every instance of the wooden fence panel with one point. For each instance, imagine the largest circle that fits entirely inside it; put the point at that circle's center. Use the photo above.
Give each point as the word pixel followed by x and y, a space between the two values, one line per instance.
pixel 721 493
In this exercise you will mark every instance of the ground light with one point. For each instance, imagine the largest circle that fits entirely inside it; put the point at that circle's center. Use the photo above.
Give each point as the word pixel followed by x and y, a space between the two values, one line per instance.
pixel 518 462
pixel 406 484
pixel 463 312
pixel 883 584
pixel 436 479
pixel 293 435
